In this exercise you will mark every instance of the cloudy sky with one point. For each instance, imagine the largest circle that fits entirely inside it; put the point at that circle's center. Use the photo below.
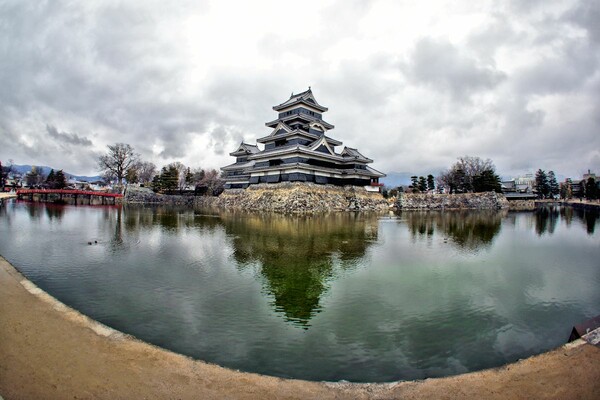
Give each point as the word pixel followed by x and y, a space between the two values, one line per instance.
pixel 413 85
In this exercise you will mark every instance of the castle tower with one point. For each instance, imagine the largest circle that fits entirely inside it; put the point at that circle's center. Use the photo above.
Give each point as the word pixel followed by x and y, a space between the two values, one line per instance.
pixel 299 149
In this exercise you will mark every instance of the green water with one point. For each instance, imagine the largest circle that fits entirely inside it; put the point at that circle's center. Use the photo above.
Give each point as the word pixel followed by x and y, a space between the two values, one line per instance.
pixel 344 296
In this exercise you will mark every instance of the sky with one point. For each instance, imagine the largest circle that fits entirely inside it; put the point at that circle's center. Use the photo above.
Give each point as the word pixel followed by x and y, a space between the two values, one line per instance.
pixel 412 85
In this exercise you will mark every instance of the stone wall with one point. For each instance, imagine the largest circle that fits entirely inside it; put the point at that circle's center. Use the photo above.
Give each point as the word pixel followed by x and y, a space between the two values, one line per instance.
pixel 299 197
pixel 521 205
pixel 135 195
pixel 426 201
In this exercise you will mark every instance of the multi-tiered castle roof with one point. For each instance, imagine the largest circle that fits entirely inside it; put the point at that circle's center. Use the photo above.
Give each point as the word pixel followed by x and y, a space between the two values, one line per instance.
pixel 299 149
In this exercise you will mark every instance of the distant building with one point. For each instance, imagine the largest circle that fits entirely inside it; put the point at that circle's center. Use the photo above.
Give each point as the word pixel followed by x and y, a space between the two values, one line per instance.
pixel 522 184
pixel 509 186
pixel 298 149
pixel 525 184
pixel 589 174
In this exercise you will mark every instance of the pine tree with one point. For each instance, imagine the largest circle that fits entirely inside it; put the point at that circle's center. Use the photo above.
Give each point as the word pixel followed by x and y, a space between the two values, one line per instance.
pixel 461 184
pixel 189 177
pixel 156 184
pixel 430 182
pixel 422 184
pixel 60 180
pixel 553 184
pixel 169 179
pixel 51 180
pixel 415 183
pixel 541 184
pixel 487 181
pixel 591 189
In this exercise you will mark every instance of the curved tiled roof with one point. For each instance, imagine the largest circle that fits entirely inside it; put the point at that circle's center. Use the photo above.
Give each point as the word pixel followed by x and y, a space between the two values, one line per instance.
pixel 304 97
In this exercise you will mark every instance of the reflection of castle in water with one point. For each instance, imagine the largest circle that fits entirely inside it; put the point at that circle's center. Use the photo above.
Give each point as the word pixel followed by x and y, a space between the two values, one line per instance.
pixel 299 255
pixel 470 229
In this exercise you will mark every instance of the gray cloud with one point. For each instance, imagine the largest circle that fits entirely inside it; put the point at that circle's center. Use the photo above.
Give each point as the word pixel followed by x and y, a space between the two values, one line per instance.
pixel 520 86
pixel 442 66
pixel 586 15
pixel 69 138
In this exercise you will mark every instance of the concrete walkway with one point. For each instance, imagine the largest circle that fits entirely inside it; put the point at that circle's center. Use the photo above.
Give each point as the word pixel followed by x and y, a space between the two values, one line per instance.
pixel 7 196
pixel 49 351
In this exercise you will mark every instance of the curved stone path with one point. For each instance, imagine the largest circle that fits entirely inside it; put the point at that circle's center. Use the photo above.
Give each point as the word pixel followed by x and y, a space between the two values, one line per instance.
pixel 50 351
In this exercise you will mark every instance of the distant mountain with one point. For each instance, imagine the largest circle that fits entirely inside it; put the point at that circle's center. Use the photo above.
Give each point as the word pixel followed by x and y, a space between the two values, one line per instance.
pixel 395 179
pixel 24 169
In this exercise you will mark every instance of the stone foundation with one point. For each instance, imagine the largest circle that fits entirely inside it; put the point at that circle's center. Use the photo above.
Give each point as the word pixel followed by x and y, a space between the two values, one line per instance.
pixel 296 197
pixel 135 195
pixel 464 201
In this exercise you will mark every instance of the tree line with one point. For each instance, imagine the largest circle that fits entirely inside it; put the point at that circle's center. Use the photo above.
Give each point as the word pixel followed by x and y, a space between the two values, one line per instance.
pixel 546 185
pixel 37 178
pixel 122 164
pixel 468 175
pixel 471 175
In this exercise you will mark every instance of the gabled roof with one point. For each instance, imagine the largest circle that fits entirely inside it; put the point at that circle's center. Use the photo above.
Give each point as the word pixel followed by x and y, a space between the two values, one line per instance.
pixel 305 117
pixel 375 172
pixel 322 141
pixel 245 148
pixel 281 125
pixel 287 135
pixel 305 97
pixel 350 152
pixel 236 166
pixel 295 132
pixel 332 141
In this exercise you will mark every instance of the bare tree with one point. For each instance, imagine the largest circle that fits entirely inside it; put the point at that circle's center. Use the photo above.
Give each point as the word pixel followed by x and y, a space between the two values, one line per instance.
pixel 473 166
pixel 212 182
pixel 197 176
pixel 459 178
pixel 35 177
pixel 119 159
pixel 146 171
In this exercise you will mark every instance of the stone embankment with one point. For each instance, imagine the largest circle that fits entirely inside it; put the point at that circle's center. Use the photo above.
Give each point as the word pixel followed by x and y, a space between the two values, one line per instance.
pixel 135 195
pixel 465 201
pixel 286 197
pixel 521 205
pixel 583 204
pixel 296 197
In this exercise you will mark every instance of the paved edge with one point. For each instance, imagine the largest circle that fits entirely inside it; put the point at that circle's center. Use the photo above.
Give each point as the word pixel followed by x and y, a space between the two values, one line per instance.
pixel 49 350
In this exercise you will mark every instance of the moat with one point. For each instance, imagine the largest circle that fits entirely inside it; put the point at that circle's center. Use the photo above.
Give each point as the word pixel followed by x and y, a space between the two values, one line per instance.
pixel 347 296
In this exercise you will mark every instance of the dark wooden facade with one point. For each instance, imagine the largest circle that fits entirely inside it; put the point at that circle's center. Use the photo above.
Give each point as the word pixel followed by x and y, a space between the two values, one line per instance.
pixel 298 149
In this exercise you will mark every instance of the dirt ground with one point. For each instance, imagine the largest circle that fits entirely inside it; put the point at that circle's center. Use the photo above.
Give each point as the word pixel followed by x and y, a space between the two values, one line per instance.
pixel 49 351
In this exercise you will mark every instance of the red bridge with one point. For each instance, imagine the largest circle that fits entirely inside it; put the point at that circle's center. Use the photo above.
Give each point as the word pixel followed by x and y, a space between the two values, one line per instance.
pixel 44 193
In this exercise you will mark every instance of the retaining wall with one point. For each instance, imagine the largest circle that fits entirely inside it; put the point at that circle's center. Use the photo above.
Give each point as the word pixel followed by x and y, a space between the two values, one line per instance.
pixel 463 201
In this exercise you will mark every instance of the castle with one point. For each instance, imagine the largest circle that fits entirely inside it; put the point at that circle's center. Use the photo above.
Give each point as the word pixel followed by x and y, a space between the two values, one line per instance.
pixel 298 149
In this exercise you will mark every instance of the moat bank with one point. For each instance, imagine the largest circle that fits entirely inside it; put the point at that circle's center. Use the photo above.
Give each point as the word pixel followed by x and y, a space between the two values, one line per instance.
pixel 51 351
pixel 288 197
pixel 464 201
pixel 296 197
